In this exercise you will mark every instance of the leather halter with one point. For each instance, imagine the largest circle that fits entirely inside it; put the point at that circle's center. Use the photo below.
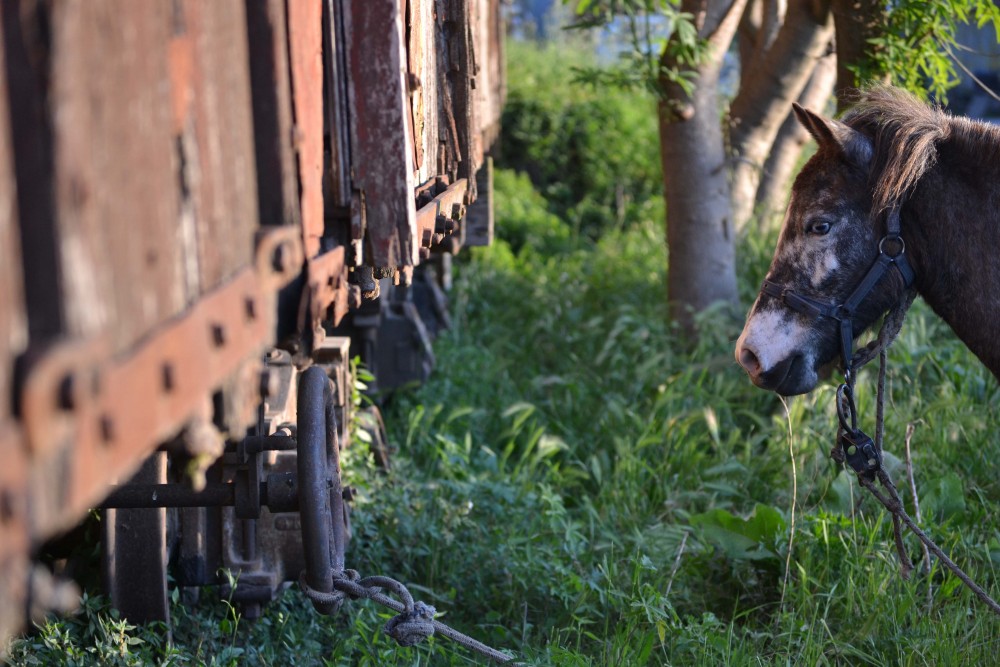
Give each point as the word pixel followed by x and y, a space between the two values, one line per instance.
pixel 891 255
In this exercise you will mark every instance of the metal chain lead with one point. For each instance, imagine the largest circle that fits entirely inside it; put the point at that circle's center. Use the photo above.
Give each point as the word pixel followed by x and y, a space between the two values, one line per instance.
pixel 887 334
pixel 415 620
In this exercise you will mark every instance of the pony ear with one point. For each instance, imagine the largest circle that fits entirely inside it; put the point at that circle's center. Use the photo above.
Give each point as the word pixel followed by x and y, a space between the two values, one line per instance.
pixel 833 134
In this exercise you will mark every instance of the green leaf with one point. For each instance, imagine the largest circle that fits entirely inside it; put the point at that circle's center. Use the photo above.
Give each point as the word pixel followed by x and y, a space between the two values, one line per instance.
pixel 945 497
pixel 743 539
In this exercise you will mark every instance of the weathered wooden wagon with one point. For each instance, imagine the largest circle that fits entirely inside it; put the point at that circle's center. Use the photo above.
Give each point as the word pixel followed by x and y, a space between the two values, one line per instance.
pixel 199 201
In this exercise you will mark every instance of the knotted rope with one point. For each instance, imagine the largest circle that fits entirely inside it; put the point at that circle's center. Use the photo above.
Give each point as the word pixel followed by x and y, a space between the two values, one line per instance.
pixel 415 620
pixel 891 325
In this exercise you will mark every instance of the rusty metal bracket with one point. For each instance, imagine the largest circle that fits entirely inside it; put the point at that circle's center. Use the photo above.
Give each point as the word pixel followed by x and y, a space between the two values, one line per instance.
pixel 446 206
pixel 279 256
pixel 90 418
pixel 328 286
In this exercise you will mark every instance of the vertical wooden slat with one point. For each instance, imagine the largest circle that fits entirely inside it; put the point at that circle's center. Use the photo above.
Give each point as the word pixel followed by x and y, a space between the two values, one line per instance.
pixel 422 57
pixel 30 156
pixel 304 31
pixel 383 146
pixel 115 184
pixel 277 184
pixel 13 325
pixel 13 341
pixel 225 210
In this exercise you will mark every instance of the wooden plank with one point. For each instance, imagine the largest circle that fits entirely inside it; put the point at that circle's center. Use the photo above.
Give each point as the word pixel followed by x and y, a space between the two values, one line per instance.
pixel 381 139
pixel 458 60
pixel 490 71
pixel 422 54
pixel 225 211
pixel 13 324
pixel 306 48
pixel 338 124
pixel 270 79
pixel 14 542
pixel 115 184
pixel 31 145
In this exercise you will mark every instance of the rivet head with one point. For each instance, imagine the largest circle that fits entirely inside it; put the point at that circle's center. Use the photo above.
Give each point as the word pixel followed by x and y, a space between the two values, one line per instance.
pixel 218 335
pixel 67 392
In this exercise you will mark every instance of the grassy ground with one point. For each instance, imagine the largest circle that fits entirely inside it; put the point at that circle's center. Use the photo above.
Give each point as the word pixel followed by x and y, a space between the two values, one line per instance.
pixel 579 485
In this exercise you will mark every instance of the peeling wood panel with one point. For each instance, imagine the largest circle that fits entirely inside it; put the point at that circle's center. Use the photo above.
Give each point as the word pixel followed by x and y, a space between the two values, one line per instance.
pixel 219 163
pixel 381 137
pixel 114 167
pixel 490 70
pixel 422 60
pixel 455 66
pixel 338 112
pixel 306 37
pixel 457 128
pixel 277 185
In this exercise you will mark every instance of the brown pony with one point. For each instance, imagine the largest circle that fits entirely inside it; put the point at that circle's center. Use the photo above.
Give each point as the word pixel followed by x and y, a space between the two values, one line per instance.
pixel 889 151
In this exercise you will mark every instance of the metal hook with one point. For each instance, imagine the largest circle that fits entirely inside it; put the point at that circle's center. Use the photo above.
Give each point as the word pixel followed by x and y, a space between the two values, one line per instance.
pixel 847 412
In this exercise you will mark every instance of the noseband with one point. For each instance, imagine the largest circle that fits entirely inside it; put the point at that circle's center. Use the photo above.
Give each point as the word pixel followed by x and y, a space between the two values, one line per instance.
pixel 891 255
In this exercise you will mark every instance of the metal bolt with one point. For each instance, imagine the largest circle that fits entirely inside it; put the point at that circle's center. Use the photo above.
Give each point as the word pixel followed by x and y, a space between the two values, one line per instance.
pixel 167 376
pixel 67 392
pixel 457 212
pixel 443 225
pixel 280 258
pixel 364 275
pixel 107 429
pixel 218 335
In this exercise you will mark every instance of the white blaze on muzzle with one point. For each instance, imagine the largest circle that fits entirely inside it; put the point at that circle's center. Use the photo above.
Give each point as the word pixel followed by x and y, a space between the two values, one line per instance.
pixel 773 335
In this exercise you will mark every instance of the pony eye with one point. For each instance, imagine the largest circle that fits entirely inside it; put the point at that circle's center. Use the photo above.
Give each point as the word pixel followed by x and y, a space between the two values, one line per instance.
pixel 818 228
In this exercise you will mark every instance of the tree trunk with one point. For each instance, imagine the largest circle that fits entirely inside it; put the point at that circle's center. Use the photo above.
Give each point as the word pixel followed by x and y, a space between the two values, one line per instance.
pixel 856 22
pixel 702 262
pixel 767 90
pixel 792 137
pixel 700 238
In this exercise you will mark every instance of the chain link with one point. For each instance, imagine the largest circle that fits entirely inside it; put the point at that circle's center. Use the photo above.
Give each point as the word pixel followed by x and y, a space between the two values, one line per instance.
pixel 415 620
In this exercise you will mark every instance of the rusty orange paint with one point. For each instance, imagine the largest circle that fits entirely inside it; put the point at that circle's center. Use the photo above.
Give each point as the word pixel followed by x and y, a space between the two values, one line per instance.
pixel 306 48
pixel 181 63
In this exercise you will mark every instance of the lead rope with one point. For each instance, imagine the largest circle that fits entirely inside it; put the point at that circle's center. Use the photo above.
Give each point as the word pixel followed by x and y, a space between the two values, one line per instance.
pixel 892 502
pixel 415 620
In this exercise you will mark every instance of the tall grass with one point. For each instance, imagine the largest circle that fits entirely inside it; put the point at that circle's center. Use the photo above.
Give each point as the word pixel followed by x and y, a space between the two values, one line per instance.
pixel 577 484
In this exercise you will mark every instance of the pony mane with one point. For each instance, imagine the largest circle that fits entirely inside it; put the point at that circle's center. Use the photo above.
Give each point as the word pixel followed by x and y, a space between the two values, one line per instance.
pixel 904 133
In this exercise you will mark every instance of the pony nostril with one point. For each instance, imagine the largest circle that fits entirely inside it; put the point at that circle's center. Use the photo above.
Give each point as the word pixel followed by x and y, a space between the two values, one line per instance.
pixel 748 360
